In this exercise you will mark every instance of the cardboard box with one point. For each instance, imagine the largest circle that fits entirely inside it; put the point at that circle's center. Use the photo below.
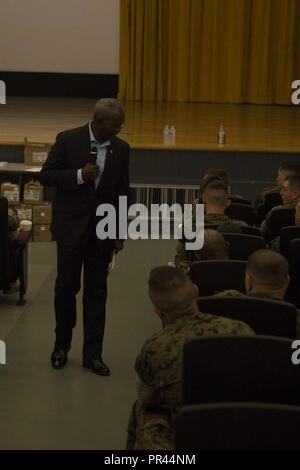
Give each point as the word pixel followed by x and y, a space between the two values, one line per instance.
pixel 35 153
pixel 41 233
pixel 33 193
pixel 11 192
pixel 24 211
pixel 42 214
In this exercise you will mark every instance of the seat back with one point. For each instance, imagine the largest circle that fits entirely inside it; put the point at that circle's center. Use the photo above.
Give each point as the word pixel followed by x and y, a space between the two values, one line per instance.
pixel 244 228
pixel 264 316
pixel 286 235
pixel 218 275
pixel 4 245
pixel 238 426
pixel 293 292
pixel 282 217
pixel 240 368
pixel 240 200
pixel 242 245
pixel 272 200
pixel 241 212
pixel 250 230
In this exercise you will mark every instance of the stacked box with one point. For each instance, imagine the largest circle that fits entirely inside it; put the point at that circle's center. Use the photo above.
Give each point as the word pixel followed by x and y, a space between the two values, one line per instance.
pixel 11 192
pixel 41 233
pixel 35 153
pixel 42 214
pixel 41 217
pixel 33 193
pixel 24 211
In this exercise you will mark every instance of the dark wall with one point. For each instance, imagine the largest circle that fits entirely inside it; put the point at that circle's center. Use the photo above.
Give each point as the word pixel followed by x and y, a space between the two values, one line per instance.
pixel 249 172
pixel 60 84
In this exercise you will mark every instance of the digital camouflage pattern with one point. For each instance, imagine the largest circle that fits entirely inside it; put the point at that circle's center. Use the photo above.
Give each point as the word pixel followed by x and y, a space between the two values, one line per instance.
pixel 149 432
pixel 220 219
pixel 159 365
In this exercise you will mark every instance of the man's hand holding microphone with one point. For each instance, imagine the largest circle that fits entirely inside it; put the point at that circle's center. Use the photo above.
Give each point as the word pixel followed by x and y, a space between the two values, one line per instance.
pixel 90 171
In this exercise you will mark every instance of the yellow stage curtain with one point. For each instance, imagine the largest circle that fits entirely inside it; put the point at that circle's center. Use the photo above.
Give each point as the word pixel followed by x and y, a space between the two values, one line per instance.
pixel 219 51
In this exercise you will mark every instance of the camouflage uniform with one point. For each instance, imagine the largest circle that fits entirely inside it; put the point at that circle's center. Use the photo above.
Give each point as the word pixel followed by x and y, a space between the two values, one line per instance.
pixel 215 219
pixel 148 432
pixel 236 293
pixel 159 367
pixel 220 219
pixel 13 224
pixel 266 229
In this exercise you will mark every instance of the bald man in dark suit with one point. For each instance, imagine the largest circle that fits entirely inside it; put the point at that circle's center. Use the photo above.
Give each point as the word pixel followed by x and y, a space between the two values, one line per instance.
pixel 89 166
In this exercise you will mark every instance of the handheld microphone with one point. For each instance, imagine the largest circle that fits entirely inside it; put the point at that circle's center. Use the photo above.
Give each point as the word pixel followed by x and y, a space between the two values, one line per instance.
pixel 93 154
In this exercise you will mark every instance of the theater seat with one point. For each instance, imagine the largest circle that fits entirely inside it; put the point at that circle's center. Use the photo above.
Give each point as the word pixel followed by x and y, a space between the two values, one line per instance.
pixel 287 234
pixel 241 212
pixel 264 316
pixel 240 368
pixel 238 426
pixel 217 275
pixel 242 245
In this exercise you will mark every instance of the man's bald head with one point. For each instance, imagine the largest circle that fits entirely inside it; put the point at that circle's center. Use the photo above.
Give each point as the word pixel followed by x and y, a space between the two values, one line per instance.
pixel 107 108
pixel 214 247
pixel 267 273
pixel 108 119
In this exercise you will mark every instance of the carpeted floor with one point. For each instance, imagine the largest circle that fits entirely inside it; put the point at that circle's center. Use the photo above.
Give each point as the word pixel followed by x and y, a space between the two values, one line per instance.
pixel 74 409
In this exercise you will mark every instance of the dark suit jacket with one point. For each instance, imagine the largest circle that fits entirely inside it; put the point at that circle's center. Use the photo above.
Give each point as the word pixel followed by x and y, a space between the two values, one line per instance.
pixel 74 213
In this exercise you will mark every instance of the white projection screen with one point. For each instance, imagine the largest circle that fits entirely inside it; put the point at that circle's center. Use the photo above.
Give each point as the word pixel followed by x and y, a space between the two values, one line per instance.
pixel 62 36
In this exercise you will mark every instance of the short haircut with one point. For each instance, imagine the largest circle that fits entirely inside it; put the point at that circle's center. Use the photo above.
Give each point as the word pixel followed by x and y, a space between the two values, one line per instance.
pixel 217 193
pixel 222 174
pixel 107 107
pixel 215 246
pixel 294 181
pixel 268 268
pixel 292 168
pixel 205 181
pixel 170 289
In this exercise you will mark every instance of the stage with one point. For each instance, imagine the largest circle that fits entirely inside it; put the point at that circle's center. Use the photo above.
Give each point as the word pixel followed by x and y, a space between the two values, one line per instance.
pixel 249 128
pixel 257 137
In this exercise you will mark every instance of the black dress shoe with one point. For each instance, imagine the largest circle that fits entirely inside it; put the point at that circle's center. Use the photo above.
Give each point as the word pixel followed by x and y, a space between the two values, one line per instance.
pixel 97 366
pixel 59 358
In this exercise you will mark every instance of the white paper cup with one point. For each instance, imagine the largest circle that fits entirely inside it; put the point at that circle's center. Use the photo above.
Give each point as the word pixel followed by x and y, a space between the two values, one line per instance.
pixel 25 225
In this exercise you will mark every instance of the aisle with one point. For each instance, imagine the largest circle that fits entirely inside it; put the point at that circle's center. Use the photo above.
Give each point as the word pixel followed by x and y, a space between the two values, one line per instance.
pixel 74 409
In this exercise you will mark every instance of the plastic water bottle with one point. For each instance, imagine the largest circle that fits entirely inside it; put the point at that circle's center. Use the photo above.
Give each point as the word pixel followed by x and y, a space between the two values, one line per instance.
pixel 221 136
pixel 166 135
pixel 172 134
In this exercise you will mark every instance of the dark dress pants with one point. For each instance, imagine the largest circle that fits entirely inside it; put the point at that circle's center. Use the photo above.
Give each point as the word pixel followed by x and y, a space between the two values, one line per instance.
pixel 94 255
